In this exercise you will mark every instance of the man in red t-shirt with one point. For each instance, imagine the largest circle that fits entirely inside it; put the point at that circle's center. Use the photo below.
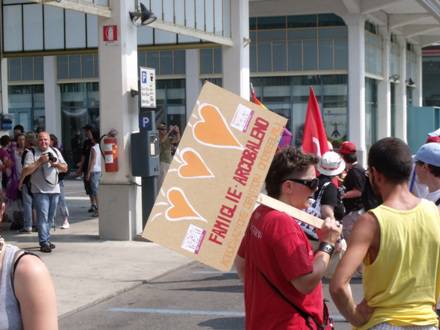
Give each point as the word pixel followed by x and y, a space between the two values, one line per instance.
pixel 275 259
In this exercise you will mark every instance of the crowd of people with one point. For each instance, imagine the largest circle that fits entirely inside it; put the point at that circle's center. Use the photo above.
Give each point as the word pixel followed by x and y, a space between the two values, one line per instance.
pixel 33 169
pixel 388 213
pixel 393 236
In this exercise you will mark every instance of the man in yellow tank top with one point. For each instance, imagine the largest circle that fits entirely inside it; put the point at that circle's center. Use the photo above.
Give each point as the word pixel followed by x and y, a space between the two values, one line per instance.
pixel 399 245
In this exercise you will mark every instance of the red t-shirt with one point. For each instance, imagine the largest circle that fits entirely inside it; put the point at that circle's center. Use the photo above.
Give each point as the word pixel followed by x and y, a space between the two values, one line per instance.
pixel 275 245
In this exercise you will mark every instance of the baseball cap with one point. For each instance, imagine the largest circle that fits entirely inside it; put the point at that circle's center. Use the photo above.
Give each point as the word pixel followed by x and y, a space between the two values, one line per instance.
pixel 331 164
pixel 429 153
pixel 347 148
pixel 88 126
pixel 431 139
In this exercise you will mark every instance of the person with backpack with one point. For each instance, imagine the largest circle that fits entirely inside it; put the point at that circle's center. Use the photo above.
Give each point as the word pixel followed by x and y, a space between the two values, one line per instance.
pixel 44 166
pixel 25 186
pixel 27 298
pixel 62 205
pixel 354 184
pixel 428 170
pixel 327 201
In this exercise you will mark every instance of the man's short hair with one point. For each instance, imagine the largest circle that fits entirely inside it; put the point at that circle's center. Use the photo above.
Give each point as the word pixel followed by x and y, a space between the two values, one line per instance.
pixel 19 127
pixel 392 158
pixel 286 162
pixel 350 158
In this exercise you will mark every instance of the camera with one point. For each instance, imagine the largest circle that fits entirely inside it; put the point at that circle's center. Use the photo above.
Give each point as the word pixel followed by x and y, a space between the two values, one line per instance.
pixel 52 158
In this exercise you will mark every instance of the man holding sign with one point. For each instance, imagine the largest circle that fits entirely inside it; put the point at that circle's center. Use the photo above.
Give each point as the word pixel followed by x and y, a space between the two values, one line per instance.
pixel 281 273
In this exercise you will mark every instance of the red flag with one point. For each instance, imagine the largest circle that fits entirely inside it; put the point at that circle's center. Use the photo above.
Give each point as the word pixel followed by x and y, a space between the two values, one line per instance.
pixel 314 137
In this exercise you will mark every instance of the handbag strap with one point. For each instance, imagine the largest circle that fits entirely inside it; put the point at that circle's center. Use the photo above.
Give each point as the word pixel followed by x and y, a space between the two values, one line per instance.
pixel 306 316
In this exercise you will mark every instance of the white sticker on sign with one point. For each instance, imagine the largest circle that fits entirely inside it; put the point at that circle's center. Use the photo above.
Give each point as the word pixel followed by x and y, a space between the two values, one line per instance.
pixel 242 118
pixel 193 239
pixel 108 159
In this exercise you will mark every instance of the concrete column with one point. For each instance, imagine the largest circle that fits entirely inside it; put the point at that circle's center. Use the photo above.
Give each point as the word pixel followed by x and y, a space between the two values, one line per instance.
pixel 384 90
pixel 418 79
pixel 193 85
pixel 401 105
pixel 120 211
pixel 236 58
pixel 4 85
pixel 52 97
pixel 356 83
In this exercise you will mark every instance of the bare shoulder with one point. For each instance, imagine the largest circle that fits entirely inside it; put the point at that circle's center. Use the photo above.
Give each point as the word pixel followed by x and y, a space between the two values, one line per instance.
pixel 367 220
pixel 30 268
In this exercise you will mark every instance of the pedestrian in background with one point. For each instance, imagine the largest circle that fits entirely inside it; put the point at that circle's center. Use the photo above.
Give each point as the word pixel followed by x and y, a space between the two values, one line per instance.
pixel 62 205
pixel 399 245
pixel 29 215
pixel 44 166
pixel 281 273
pixel 428 170
pixel 93 174
pixel 167 137
pixel 27 294
pixel 353 185
pixel 83 165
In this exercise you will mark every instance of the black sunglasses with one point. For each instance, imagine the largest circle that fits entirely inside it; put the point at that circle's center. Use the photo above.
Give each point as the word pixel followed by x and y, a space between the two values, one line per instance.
pixel 312 184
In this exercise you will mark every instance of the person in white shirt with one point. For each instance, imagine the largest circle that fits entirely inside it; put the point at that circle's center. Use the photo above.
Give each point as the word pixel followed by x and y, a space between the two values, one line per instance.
pixel 93 174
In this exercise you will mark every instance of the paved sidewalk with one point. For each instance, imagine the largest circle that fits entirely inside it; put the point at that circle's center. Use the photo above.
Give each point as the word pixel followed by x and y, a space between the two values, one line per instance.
pixel 87 270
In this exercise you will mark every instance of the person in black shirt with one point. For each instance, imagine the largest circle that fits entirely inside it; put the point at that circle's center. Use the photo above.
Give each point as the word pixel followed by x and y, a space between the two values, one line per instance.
pixel 353 184
pixel 328 195
pixel 83 164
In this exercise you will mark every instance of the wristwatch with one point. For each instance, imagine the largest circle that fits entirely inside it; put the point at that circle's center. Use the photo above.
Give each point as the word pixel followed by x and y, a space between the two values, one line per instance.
pixel 327 248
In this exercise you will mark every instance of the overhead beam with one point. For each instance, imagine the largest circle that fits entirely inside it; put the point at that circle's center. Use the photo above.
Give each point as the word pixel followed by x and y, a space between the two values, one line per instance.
pixel 370 6
pixel 433 7
pixel 425 41
pixel 416 30
pixel 179 29
pixel 79 6
pixel 353 6
pixel 399 20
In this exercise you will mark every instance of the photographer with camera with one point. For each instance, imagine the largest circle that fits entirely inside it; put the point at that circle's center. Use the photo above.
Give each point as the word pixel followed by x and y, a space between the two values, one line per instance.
pixel 44 166
pixel 167 137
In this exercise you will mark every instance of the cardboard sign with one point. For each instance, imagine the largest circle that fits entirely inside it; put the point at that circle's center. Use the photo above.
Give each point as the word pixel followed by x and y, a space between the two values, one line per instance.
pixel 208 195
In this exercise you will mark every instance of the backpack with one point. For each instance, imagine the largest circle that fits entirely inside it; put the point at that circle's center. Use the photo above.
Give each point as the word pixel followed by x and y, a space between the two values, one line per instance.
pixel 61 175
pixel 27 179
pixel 313 209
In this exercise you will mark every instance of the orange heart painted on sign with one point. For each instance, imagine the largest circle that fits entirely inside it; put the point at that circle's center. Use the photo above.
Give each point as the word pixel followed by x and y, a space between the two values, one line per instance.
pixel 194 165
pixel 213 129
pixel 180 207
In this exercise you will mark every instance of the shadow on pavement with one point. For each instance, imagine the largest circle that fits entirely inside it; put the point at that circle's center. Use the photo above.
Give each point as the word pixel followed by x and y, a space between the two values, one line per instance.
pixel 229 323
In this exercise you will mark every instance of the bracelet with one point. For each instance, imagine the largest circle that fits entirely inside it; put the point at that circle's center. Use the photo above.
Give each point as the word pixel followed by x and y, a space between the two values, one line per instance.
pixel 327 248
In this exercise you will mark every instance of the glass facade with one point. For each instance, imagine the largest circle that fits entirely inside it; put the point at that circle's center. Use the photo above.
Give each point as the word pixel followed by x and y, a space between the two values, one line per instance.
pixel 298 43
pixel 371 100
pixel 79 106
pixel 171 102
pixel 373 50
pixel 26 106
pixel 288 96
pixel 431 72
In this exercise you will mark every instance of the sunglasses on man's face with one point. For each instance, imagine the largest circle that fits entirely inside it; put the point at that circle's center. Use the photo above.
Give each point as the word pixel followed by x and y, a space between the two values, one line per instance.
pixel 312 184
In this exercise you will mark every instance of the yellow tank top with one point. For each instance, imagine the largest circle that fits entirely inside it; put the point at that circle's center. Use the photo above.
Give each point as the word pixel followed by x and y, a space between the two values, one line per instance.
pixel 403 282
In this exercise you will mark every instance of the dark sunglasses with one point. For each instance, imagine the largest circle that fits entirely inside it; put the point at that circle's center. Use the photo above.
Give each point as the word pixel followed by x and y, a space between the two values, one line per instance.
pixel 312 184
